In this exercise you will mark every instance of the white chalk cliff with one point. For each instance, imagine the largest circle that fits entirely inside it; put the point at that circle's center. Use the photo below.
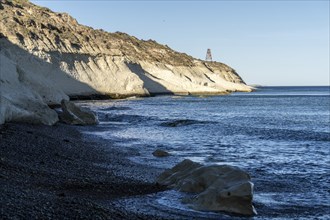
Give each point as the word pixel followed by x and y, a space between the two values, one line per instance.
pixel 46 57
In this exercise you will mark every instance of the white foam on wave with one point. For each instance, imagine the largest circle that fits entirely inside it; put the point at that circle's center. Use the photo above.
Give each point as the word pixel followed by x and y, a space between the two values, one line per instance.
pixel 103 134
pixel 267 199
pixel 113 123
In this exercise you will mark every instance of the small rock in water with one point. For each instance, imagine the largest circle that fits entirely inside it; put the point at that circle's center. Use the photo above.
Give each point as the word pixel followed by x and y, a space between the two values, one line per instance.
pixel 160 153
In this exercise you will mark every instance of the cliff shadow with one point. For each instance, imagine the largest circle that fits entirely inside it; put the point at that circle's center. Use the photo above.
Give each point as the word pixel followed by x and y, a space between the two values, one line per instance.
pixel 153 87
pixel 31 66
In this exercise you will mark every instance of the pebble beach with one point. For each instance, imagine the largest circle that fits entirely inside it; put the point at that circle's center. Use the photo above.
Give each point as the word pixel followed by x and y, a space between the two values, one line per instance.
pixel 56 173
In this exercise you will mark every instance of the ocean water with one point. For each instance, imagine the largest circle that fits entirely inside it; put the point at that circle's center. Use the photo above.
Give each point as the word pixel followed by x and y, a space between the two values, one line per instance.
pixel 280 135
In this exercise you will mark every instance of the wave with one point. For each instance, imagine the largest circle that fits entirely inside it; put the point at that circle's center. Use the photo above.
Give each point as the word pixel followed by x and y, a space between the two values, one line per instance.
pixel 128 118
pixel 280 134
pixel 182 122
pixel 114 108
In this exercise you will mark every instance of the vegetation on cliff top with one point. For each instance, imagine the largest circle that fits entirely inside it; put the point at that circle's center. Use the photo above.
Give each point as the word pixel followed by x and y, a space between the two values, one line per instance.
pixel 39 28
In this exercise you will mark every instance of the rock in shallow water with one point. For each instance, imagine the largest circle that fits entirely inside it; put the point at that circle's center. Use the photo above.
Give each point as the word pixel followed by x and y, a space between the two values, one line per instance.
pixel 218 187
pixel 75 115
pixel 160 153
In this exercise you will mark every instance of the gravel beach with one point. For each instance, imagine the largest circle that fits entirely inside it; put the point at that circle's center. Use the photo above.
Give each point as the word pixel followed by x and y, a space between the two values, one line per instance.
pixel 55 172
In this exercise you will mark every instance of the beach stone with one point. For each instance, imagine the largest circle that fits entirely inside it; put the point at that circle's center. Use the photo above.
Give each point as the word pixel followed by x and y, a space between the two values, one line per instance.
pixel 75 115
pixel 160 153
pixel 217 187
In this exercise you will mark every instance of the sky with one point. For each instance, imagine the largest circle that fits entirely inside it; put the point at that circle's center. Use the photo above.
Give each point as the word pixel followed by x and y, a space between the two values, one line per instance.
pixel 270 43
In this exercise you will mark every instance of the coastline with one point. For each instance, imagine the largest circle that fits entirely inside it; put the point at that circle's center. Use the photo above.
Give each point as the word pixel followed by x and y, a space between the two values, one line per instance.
pixel 57 172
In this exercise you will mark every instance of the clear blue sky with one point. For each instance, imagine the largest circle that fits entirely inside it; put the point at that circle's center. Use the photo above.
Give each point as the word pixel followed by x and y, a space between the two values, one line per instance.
pixel 267 42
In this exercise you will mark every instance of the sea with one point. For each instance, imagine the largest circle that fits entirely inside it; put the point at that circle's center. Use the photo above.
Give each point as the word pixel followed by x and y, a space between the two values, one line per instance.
pixel 279 135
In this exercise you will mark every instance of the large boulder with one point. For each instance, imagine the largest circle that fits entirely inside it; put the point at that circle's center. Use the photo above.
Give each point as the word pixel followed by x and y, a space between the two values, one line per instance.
pixel 215 187
pixel 75 115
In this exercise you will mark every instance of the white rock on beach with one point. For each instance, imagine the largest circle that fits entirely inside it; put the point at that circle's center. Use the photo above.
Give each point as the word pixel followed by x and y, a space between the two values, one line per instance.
pixel 217 187
pixel 75 115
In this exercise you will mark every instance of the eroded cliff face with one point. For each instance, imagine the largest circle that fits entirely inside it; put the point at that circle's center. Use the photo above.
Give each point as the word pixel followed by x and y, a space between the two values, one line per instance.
pixel 60 56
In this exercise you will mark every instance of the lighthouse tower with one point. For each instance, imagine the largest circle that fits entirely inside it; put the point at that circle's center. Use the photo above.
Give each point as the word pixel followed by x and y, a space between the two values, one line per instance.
pixel 208 55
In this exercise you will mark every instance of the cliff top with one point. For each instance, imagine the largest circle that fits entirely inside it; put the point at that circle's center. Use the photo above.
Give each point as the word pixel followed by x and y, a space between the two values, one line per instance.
pixel 39 28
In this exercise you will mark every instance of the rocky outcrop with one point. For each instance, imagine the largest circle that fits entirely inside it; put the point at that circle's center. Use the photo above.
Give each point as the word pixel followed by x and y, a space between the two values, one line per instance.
pixel 75 115
pixel 28 85
pixel 60 58
pixel 216 187
pixel 18 102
